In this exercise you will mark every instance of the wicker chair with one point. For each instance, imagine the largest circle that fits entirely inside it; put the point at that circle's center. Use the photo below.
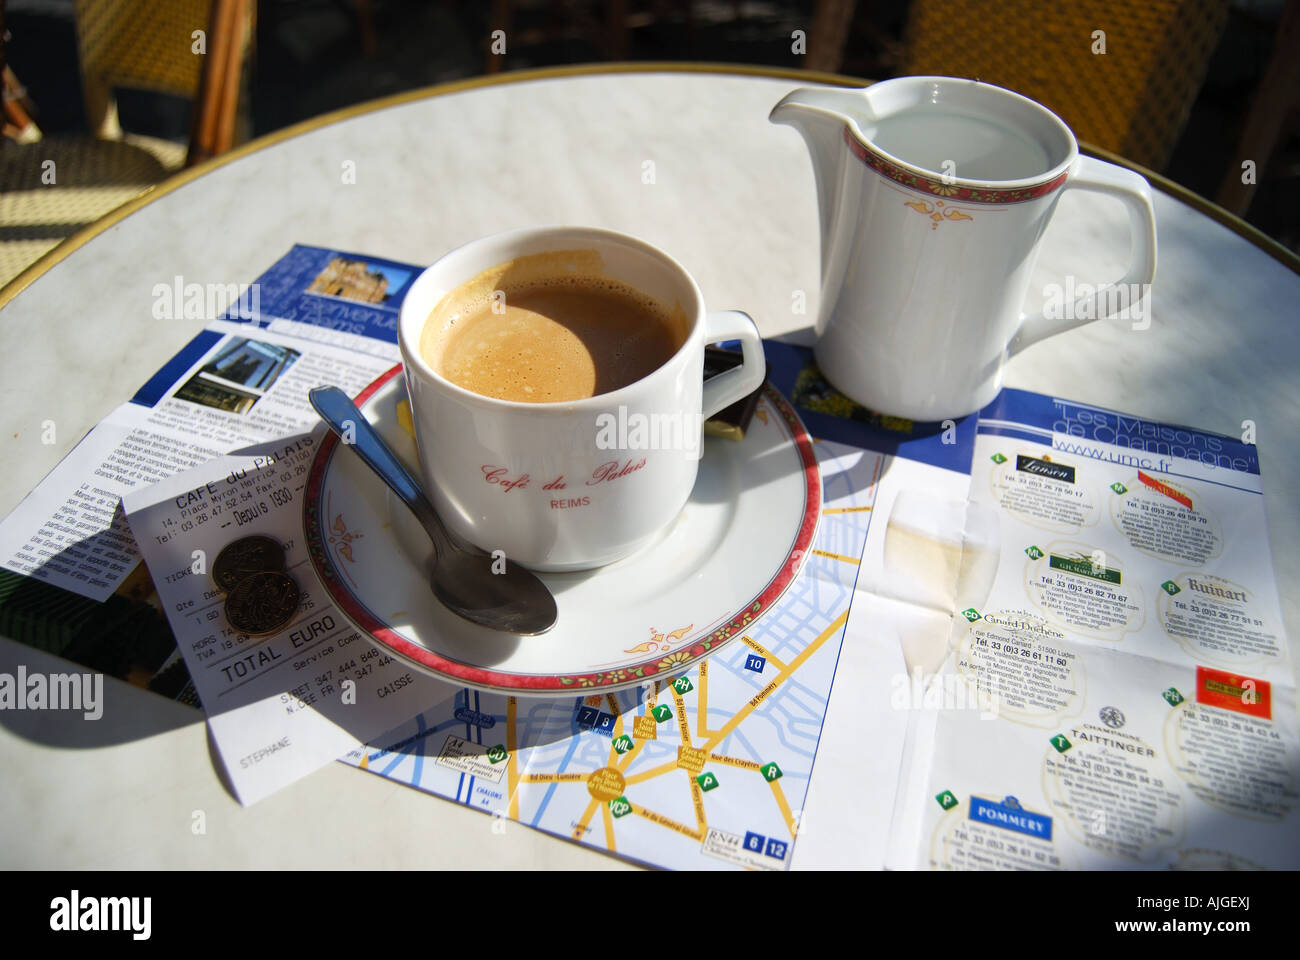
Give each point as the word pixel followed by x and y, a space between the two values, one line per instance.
pixel 1132 100
pixel 52 187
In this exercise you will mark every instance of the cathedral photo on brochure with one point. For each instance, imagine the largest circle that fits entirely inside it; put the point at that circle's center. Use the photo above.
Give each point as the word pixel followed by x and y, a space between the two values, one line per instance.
pixel 693 435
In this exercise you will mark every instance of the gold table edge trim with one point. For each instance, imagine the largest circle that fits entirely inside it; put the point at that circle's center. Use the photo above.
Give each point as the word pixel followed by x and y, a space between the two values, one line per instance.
pixel 89 232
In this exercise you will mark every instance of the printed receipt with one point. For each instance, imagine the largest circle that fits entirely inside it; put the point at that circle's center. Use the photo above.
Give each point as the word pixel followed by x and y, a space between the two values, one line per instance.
pixel 283 705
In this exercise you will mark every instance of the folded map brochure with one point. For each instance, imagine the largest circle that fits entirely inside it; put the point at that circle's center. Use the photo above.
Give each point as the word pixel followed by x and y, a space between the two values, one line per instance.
pixel 1057 625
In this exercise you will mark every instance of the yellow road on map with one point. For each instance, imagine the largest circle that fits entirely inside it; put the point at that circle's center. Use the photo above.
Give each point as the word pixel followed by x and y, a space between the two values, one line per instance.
pixel 715 737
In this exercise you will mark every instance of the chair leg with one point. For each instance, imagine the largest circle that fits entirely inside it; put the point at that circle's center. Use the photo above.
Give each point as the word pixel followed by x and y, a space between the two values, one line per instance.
pixel 101 109
pixel 1277 94
pixel 830 31
pixel 216 105
pixel 616 30
pixel 366 27
pixel 232 74
pixel 499 19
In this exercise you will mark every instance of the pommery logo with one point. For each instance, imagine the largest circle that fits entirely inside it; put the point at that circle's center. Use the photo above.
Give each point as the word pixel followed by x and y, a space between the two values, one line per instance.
pixel 75 913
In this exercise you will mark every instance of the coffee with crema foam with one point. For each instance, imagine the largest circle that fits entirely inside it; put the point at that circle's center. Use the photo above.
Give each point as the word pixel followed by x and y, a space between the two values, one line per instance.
pixel 547 328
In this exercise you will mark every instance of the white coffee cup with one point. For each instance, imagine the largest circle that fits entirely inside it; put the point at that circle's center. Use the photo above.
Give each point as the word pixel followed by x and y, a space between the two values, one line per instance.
pixel 934 193
pixel 541 482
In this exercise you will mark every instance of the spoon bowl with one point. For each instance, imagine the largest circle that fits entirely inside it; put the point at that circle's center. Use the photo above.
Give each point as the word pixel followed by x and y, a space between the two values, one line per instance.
pixel 483 588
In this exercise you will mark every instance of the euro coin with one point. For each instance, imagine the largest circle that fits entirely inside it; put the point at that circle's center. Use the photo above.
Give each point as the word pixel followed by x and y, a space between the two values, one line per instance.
pixel 262 603
pixel 244 557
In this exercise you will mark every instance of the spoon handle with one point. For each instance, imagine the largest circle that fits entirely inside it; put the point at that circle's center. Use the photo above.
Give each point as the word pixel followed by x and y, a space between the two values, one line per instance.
pixel 342 416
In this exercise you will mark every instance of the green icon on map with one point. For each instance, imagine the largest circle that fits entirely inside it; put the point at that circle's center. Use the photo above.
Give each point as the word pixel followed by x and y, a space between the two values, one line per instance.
pixel 1172 696
pixel 971 614
pixel 1119 488
pixel 998 458
pixel 662 712
pixel 1033 552
pixel 771 771
pixel 1170 587
pixel 707 781
pixel 622 744
pixel 497 754
pixel 619 807
pixel 946 800
pixel 1060 743
pixel 683 685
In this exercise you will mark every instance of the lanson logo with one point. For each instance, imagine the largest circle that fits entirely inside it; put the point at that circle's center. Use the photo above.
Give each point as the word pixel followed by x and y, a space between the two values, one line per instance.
pixel 74 913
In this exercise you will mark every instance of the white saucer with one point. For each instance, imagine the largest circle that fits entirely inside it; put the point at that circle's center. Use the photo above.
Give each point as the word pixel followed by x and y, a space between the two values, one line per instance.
pixel 738 543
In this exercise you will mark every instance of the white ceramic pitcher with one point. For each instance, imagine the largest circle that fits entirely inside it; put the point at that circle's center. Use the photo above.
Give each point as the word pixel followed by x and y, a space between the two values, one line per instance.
pixel 934 193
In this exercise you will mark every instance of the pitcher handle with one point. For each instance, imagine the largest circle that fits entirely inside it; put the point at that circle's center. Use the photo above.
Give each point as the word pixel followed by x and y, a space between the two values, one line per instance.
pixel 1099 177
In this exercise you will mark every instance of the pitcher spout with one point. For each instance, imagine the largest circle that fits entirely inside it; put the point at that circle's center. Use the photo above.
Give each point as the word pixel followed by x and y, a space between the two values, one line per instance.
pixel 821 116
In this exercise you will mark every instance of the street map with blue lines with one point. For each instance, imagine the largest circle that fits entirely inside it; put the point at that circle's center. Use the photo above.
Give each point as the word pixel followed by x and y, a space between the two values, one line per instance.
pixel 708 769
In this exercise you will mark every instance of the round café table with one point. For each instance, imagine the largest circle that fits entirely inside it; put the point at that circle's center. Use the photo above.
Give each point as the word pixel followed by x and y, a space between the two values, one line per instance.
pixel 680 155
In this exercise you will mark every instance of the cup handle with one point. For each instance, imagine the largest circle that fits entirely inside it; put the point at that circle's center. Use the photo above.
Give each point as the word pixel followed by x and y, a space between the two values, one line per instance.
pixel 726 388
pixel 1099 177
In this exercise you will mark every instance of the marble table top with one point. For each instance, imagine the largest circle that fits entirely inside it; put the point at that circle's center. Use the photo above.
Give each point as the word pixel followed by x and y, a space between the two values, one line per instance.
pixel 732 198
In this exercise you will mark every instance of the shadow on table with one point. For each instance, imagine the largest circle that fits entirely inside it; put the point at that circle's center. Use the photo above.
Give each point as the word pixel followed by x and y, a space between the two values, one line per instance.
pixel 70 656
pixel 67 665
pixel 111 714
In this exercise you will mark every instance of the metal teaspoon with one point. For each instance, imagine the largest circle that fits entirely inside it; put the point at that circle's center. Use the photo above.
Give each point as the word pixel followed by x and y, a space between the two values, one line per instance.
pixel 515 601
